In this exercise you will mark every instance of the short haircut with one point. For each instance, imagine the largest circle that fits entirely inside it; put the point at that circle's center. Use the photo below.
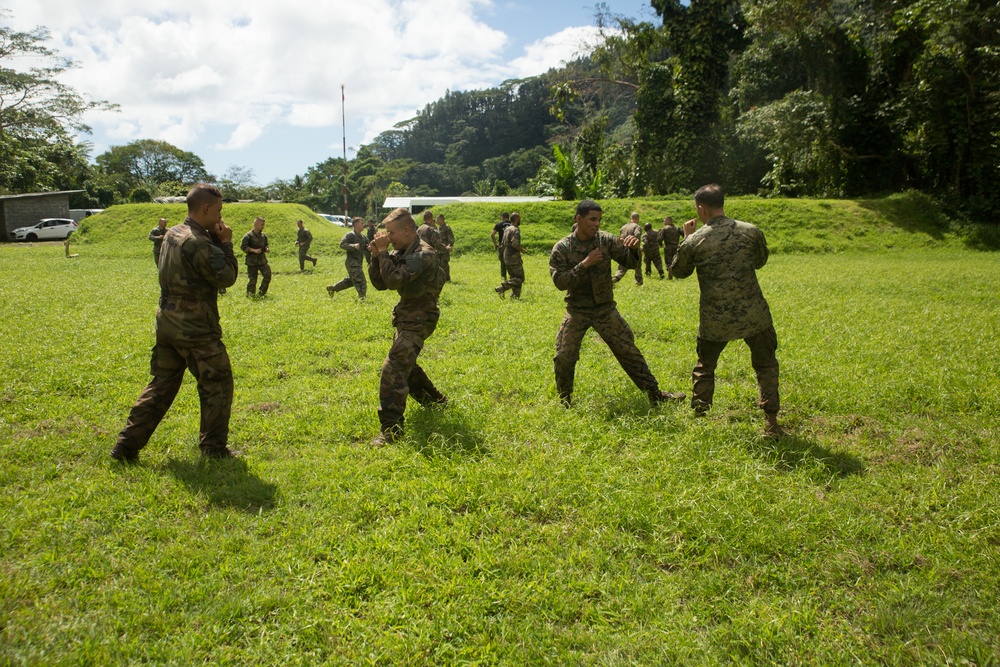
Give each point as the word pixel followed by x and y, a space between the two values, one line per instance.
pixel 400 216
pixel 440 216
pixel 505 215
pixel 428 215
pixel 635 214
pixel 258 218
pixel 586 206
pixel 357 220
pixel 201 194
pixel 710 195
pixel 648 227
pixel 668 219
pixel 515 214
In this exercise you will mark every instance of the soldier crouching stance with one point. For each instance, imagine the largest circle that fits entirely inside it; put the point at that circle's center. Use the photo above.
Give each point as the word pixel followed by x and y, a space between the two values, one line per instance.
pixel 355 243
pixel 581 265
pixel 413 271
pixel 195 262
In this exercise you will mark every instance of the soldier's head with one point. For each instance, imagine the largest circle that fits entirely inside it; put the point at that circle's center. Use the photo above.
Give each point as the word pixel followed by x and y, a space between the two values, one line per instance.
pixel 401 228
pixel 300 224
pixel 668 221
pixel 359 224
pixel 258 224
pixel 162 223
pixel 505 216
pixel 439 219
pixel 587 219
pixel 515 219
pixel 709 200
pixel 634 217
pixel 648 227
pixel 429 217
pixel 204 204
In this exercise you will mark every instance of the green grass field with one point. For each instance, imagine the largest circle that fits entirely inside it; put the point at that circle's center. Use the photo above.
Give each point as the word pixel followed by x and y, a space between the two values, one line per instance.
pixel 505 529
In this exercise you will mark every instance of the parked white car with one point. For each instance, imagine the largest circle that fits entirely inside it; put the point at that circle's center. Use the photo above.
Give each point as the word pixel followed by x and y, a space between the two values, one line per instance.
pixel 47 229
pixel 338 220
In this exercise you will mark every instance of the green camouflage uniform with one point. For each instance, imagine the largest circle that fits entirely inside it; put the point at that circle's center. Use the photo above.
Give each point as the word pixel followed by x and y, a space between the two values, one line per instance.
pixel 415 274
pixel 726 254
pixel 651 251
pixel 511 248
pixel 590 303
pixel 193 267
pixel 670 236
pixel 448 239
pixel 256 262
pixel 432 237
pixel 629 229
pixel 305 239
pixel 156 236
pixel 355 264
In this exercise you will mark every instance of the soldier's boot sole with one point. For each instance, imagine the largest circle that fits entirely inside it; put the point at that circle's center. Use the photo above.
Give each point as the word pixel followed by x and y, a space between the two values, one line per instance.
pixel 657 397
pixel 118 453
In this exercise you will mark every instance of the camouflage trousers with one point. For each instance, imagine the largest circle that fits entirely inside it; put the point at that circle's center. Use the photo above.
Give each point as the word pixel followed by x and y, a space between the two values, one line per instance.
pixel 265 278
pixel 209 364
pixel 615 332
pixel 762 356
pixel 669 252
pixel 402 377
pixel 654 259
pixel 503 264
pixel 304 257
pixel 622 270
pixel 515 279
pixel 445 260
pixel 355 278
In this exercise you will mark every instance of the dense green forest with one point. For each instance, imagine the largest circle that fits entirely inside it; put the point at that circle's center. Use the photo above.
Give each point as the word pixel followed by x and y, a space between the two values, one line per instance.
pixel 818 98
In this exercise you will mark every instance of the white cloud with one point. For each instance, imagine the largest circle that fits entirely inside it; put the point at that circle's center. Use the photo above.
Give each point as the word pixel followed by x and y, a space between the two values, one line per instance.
pixel 555 50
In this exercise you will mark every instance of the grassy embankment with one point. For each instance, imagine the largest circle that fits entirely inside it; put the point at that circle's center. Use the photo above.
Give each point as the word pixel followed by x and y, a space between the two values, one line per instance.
pixel 505 529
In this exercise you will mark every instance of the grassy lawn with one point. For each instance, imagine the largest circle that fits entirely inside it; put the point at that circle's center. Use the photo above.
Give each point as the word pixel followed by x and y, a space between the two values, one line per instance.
pixel 504 529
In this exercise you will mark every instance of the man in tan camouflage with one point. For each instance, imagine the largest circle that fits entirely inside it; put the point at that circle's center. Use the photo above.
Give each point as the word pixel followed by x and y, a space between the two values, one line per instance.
pixel 651 249
pixel 670 236
pixel 255 245
pixel 355 243
pixel 448 239
pixel 429 234
pixel 512 251
pixel 413 271
pixel 581 265
pixel 156 236
pixel 303 240
pixel 196 261
pixel 630 228
pixel 727 253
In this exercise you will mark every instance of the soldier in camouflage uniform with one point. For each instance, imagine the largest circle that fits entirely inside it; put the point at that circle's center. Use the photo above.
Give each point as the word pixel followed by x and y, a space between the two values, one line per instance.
pixel 651 249
pixel 630 228
pixel 196 261
pixel 156 236
pixel 726 254
pixel 429 234
pixel 413 271
pixel 670 236
pixel 448 239
pixel 303 240
pixel 512 251
pixel 355 243
pixel 254 244
pixel 581 265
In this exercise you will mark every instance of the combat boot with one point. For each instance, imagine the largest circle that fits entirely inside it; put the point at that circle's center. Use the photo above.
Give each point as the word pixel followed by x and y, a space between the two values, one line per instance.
pixel 656 397
pixel 772 429
pixel 387 436
pixel 500 290
pixel 224 453
pixel 119 453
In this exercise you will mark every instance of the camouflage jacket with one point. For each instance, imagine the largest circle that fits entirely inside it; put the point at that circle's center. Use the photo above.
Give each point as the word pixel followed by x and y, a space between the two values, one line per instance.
pixel 156 236
pixel 254 240
pixel 355 256
pixel 447 235
pixel 304 237
pixel 193 266
pixel 415 274
pixel 431 237
pixel 651 243
pixel 630 229
pixel 670 235
pixel 588 287
pixel 511 245
pixel 726 254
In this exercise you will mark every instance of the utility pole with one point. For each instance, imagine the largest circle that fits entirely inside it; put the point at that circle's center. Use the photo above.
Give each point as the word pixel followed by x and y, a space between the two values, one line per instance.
pixel 343 115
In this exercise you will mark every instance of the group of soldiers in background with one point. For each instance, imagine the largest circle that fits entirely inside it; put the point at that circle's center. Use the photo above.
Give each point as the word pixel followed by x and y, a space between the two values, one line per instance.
pixel 668 236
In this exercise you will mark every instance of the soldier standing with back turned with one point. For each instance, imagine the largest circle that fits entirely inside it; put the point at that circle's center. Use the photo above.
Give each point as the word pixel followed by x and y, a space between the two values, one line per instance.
pixel 303 240
pixel 156 236
pixel 254 244
pixel 670 236
pixel 651 249
pixel 355 243
pixel 448 239
pixel 512 251
pixel 630 228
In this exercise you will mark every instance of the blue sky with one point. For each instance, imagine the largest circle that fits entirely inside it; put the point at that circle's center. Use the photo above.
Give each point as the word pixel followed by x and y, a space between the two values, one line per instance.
pixel 257 85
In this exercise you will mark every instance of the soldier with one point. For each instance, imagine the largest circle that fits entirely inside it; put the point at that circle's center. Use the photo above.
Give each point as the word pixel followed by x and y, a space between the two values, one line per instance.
pixel 630 228
pixel 303 240
pixel 670 236
pixel 497 237
pixel 448 239
pixel 156 236
pixel 355 243
pixel 581 265
pixel 512 250
pixel 413 271
pixel 197 260
pixel 651 249
pixel 726 254
pixel 429 234
pixel 254 244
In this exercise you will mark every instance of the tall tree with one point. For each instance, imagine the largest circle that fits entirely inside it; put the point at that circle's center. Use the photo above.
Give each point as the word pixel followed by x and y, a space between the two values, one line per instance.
pixel 147 163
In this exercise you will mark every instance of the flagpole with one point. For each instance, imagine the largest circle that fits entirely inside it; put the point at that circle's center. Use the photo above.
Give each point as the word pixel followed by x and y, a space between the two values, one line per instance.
pixel 343 115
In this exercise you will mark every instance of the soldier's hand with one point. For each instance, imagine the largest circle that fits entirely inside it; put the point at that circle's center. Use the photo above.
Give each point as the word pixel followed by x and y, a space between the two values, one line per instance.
pixel 224 232
pixel 596 256
pixel 630 242
pixel 690 226
pixel 379 243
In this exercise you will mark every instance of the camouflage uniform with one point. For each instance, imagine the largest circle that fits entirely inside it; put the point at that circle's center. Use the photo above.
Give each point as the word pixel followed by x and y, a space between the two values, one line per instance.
pixel 415 274
pixel 354 263
pixel 629 229
pixel 510 246
pixel 432 237
pixel 193 267
pixel 500 228
pixel 448 239
pixel 651 251
pixel 670 236
pixel 156 236
pixel 256 262
pixel 304 239
pixel 590 303
pixel 727 253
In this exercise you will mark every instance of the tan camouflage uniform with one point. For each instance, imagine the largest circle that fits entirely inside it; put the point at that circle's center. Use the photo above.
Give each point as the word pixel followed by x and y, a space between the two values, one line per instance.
pixel 511 248
pixel 354 263
pixel 590 303
pixel 256 263
pixel 726 254
pixel 156 236
pixel 193 267
pixel 651 251
pixel 670 236
pixel 629 229
pixel 415 274
pixel 304 239
pixel 448 239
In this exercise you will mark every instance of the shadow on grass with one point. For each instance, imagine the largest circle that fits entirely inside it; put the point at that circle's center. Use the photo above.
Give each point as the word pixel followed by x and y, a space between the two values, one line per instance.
pixel 911 211
pixel 225 483
pixel 445 432
pixel 791 451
